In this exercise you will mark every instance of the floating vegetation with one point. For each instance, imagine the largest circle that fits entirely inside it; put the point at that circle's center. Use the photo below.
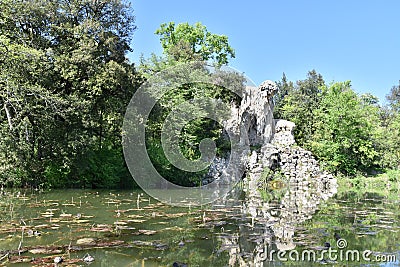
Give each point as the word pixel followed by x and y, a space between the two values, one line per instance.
pixel 136 220
pixel 45 250
pixel 97 226
pixel 120 223
pixel 86 241
pixel 66 215
pixel 80 221
pixel 147 232
pixel 47 214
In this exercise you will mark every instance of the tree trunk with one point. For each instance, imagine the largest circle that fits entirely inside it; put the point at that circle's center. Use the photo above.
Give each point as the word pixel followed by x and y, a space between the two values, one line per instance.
pixel 8 116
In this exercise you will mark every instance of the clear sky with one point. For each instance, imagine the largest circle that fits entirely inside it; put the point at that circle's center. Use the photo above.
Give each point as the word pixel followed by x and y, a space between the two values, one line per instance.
pixel 342 39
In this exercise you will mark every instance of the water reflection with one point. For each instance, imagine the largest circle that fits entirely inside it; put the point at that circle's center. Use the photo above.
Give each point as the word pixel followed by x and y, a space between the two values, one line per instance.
pixel 272 223
pixel 130 229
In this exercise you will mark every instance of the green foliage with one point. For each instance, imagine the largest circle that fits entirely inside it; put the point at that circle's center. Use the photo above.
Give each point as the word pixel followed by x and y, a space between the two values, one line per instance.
pixel 184 42
pixel 297 103
pixel 349 133
pixel 204 85
pixel 167 170
pixel 56 176
pixel 345 131
pixel 394 98
pixel 285 87
pixel 393 175
pixel 64 84
pixel 389 144
pixel 381 184
pixel 102 168
pixel 272 184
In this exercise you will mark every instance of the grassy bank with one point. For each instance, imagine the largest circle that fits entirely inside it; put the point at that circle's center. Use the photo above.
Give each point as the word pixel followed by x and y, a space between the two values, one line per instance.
pixel 383 184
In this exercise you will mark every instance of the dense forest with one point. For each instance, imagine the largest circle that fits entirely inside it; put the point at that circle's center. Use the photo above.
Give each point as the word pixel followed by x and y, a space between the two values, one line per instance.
pixel 65 82
pixel 350 133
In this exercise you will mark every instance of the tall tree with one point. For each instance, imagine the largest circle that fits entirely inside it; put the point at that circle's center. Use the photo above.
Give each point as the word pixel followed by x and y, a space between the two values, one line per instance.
pixel 299 102
pixel 185 43
pixel 394 98
pixel 64 82
pixel 346 130
pixel 285 88
pixel 390 141
pixel 193 42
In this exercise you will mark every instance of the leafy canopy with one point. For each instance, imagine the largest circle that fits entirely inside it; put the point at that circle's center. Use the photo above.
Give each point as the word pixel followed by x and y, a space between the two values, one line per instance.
pixel 64 85
pixel 345 130
pixel 194 42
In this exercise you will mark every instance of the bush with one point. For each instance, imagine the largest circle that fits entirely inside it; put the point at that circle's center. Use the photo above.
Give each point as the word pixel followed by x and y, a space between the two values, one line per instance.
pixel 56 176
pixel 13 177
pixel 169 171
pixel 393 175
pixel 101 168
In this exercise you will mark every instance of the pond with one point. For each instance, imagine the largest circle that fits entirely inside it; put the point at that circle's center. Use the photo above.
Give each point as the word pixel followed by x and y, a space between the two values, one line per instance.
pixel 129 228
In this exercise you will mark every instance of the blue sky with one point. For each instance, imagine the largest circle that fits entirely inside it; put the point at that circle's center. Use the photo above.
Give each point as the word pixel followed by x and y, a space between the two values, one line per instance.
pixel 342 40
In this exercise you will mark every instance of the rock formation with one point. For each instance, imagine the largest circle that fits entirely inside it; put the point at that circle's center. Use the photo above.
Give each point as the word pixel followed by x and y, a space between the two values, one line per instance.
pixel 252 124
pixel 272 156
pixel 266 144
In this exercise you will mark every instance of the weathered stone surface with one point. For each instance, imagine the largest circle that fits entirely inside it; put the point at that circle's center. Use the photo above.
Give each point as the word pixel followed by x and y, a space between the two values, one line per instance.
pixel 272 148
pixel 270 141
pixel 252 124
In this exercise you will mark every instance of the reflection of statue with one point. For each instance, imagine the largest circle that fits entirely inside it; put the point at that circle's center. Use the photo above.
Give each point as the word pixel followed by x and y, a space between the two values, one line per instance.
pixel 273 224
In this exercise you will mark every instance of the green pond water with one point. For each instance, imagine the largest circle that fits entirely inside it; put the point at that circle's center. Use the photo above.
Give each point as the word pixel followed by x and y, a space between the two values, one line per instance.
pixel 129 228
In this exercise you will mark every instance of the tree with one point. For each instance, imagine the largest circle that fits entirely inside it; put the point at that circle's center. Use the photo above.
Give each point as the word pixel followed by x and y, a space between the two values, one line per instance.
pixel 212 85
pixel 185 43
pixel 28 103
pixel 64 84
pixel 390 132
pixel 285 88
pixel 394 98
pixel 297 103
pixel 193 42
pixel 346 130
